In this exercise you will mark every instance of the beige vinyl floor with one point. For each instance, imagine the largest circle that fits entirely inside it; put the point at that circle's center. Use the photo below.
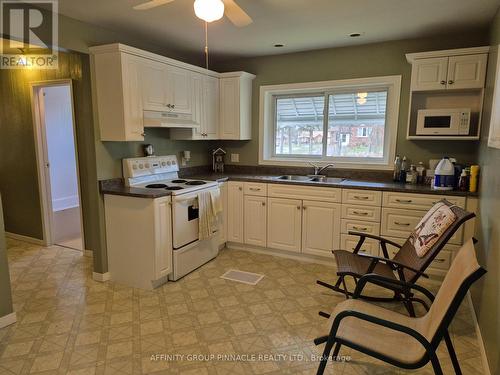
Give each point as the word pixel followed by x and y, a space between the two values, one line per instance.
pixel 70 324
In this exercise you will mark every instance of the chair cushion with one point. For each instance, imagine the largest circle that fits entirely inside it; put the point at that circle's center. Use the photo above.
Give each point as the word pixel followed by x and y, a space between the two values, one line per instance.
pixel 432 226
pixel 390 343
pixel 350 263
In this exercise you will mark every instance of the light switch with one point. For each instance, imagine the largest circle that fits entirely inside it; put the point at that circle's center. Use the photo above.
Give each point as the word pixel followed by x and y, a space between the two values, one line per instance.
pixel 235 158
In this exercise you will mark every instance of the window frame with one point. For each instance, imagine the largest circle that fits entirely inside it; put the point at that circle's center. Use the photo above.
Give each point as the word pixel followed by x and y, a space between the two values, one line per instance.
pixel 267 119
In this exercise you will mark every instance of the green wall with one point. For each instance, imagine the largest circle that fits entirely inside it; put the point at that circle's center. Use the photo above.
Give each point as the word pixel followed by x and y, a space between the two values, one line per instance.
pixel 5 292
pixel 354 62
pixel 486 295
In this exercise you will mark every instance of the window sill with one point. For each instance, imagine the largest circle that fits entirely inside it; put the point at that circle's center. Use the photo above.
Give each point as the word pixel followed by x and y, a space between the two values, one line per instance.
pixel 336 165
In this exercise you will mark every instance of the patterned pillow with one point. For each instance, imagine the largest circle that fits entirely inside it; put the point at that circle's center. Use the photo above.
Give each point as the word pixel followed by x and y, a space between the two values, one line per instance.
pixel 431 227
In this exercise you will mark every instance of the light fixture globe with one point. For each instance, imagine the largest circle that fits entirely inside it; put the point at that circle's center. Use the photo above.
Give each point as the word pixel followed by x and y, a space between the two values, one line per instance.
pixel 209 10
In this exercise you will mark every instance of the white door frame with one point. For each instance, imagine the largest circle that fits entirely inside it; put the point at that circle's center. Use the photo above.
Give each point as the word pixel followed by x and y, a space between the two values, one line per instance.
pixel 42 155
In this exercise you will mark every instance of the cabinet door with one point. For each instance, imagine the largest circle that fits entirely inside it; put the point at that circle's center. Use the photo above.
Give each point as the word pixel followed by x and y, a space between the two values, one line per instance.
pixel 284 218
pixel 229 108
pixel 223 217
pixel 132 91
pixel 429 74
pixel 210 107
pixel 320 227
pixel 179 89
pixel 467 72
pixel 163 231
pixel 154 93
pixel 197 103
pixel 235 211
pixel 255 222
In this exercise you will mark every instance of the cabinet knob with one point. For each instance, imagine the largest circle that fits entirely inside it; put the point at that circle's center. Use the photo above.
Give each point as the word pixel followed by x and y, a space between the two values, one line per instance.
pixel 304 207
pixel 443 82
pixel 173 105
pixel 169 106
pixel 143 134
pixel 298 207
pixel 240 188
pixel 263 203
pixel 450 82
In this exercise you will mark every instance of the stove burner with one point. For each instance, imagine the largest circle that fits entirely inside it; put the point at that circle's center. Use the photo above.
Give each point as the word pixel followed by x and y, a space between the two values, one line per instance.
pixel 178 181
pixel 174 188
pixel 156 186
pixel 195 183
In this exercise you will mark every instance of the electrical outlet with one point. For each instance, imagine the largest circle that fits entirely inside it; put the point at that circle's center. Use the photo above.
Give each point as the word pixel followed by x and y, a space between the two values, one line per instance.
pixel 235 158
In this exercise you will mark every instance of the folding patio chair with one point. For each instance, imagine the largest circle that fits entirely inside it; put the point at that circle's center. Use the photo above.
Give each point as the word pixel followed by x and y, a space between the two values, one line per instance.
pixel 405 266
pixel 403 341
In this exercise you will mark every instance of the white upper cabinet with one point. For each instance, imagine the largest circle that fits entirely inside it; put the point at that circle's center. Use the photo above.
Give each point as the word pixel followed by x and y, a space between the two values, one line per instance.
pixel 468 71
pixel 236 106
pixel 448 70
pixel 429 74
pixel 117 96
pixel 127 81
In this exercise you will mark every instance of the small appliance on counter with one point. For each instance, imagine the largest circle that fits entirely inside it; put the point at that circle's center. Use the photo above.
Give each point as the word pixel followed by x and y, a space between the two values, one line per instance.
pixel 218 160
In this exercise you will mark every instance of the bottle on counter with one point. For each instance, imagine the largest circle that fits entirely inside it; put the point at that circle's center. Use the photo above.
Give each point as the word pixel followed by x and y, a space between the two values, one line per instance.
pixel 444 175
pixel 420 173
pixel 397 169
pixel 463 182
pixel 474 178
pixel 402 173
pixel 411 175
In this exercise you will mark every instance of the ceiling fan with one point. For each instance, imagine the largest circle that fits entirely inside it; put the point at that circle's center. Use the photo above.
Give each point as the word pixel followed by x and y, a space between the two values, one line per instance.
pixel 209 10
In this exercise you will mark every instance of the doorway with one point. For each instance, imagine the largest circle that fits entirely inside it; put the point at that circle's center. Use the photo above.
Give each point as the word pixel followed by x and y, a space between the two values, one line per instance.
pixel 58 164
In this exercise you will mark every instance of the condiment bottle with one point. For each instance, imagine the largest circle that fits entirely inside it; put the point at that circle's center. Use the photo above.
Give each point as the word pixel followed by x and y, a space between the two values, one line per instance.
pixel 474 176
pixel 404 167
pixel 397 169
pixel 463 182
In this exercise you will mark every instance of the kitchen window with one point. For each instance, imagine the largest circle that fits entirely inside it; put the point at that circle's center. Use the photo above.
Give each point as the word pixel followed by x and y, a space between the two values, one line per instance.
pixel 352 123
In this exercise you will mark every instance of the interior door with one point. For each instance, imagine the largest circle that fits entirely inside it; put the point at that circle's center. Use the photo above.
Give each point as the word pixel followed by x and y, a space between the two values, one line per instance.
pixel 320 227
pixel 429 74
pixel 284 224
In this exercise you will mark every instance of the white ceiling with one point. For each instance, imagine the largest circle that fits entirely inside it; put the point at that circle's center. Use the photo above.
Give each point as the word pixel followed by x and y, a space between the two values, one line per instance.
pixel 299 24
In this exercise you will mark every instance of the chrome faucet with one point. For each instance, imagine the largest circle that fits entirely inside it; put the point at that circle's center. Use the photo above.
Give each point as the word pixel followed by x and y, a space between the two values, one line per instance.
pixel 318 169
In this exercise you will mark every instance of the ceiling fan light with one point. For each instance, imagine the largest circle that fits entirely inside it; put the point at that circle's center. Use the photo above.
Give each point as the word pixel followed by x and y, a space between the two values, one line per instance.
pixel 209 10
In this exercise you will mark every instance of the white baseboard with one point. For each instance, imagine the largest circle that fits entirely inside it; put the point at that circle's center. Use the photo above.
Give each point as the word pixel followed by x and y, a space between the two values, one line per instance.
pixel 482 349
pixel 101 276
pixel 65 203
pixel 8 319
pixel 28 239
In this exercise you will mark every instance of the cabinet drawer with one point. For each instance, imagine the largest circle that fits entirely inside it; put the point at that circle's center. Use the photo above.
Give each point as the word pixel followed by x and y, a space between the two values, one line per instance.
pixel 367 213
pixel 349 242
pixel 364 197
pixel 417 201
pixel 400 223
pixel 255 188
pixel 323 194
pixel 360 226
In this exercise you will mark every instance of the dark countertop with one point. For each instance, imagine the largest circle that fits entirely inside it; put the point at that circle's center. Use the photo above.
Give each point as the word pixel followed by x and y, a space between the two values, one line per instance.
pixel 346 184
pixel 116 186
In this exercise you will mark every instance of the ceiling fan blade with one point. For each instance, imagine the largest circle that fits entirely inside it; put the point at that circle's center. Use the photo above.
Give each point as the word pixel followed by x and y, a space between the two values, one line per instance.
pixel 151 4
pixel 235 14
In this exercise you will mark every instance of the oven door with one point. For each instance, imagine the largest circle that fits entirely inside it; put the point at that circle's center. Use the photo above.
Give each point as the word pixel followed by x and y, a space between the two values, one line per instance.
pixel 185 223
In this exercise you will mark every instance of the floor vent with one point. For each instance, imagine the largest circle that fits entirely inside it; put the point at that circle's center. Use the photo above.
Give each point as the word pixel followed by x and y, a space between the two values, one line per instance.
pixel 243 277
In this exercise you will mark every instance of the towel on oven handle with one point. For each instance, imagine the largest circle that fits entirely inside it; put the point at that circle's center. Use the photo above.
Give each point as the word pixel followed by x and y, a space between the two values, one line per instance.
pixel 209 204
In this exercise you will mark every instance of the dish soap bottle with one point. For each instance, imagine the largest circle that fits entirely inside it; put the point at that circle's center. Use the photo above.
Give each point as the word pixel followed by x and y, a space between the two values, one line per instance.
pixel 404 167
pixel 397 169
pixel 420 173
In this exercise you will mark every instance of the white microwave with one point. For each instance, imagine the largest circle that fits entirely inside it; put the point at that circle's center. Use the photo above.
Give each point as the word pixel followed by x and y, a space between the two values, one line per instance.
pixel 455 121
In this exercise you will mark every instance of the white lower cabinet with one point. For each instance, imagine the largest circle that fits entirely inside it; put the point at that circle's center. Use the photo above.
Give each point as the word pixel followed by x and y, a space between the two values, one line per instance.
pixel 284 219
pixel 320 227
pixel 223 217
pixel 235 211
pixel 255 220
pixel 348 242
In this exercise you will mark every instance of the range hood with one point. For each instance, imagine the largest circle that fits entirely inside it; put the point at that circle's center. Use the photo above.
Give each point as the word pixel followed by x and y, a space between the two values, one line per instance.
pixel 158 119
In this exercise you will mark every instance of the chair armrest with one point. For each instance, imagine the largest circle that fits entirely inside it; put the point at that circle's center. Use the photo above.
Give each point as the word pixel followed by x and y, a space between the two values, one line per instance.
pixel 394 263
pixel 382 322
pixel 379 280
pixel 374 237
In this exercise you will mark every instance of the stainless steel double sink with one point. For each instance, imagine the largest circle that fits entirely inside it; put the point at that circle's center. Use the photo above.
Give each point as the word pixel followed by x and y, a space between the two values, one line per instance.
pixel 311 178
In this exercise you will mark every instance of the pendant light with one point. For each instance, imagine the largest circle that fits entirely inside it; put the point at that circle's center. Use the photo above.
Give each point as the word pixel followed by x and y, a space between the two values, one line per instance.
pixel 209 10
